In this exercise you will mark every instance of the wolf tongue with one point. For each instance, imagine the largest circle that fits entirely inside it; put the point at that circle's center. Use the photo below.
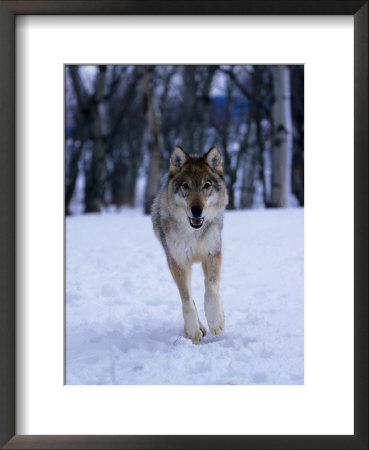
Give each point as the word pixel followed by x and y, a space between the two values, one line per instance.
pixel 196 221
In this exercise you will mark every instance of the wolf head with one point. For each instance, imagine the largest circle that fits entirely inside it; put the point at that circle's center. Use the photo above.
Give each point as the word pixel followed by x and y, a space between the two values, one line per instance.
pixel 197 186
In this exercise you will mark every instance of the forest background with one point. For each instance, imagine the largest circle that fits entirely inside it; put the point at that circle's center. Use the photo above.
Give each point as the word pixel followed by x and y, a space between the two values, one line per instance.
pixel 123 121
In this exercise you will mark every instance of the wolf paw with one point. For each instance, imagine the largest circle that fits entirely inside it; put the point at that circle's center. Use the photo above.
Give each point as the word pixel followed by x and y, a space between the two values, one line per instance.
pixel 216 325
pixel 196 334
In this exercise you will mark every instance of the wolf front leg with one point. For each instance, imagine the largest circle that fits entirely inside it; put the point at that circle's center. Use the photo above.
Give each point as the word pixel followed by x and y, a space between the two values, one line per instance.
pixel 213 306
pixel 192 325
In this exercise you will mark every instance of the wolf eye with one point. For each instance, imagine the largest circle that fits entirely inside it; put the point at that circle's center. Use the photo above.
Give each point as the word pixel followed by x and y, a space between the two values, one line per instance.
pixel 185 186
pixel 206 185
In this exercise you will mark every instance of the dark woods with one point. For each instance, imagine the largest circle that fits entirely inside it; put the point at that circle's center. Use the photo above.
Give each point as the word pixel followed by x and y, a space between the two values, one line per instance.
pixel 122 123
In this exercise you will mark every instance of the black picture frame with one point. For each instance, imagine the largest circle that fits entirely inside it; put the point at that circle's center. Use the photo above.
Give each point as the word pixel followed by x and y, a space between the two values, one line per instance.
pixel 8 11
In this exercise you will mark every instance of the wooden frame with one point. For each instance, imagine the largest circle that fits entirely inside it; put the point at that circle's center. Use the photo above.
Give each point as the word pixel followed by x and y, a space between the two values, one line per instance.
pixel 8 11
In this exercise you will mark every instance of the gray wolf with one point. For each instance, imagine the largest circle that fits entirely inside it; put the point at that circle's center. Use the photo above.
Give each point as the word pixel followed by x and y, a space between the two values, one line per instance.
pixel 187 216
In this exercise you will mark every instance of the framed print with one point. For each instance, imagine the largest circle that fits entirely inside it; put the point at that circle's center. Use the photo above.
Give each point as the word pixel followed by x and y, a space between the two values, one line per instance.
pixel 256 407
pixel 278 357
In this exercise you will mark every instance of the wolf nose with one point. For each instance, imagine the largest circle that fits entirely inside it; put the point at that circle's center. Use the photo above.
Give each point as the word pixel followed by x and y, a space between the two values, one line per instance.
pixel 196 211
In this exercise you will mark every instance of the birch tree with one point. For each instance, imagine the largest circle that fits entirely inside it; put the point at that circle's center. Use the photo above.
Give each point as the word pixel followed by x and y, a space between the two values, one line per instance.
pixel 282 144
pixel 102 121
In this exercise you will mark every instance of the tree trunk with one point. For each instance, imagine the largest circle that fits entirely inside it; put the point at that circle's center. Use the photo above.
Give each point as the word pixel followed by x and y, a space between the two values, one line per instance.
pixel 188 110
pixel 231 172
pixel 205 107
pixel 282 145
pixel 95 178
pixel 297 106
pixel 135 157
pixel 244 157
pixel 71 172
pixel 118 176
pixel 153 176
pixel 249 171
pixel 94 109
pixel 261 147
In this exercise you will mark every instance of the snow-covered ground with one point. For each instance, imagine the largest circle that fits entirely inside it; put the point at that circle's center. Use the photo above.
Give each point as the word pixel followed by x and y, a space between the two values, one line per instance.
pixel 123 312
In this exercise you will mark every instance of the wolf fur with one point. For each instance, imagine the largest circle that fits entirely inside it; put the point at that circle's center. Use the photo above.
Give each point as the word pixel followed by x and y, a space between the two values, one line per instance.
pixel 187 216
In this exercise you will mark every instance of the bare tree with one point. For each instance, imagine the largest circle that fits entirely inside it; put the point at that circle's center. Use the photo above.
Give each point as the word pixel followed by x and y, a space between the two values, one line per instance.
pixel 282 148
pixel 233 160
pixel 262 88
pixel 103 122
pixel 96 172
pixel 154 169
pixel 188 109
pixel 93 113
pixel 207 76
pixel 249 163
pixel 75 137
pixel 73 155
pixel 297 106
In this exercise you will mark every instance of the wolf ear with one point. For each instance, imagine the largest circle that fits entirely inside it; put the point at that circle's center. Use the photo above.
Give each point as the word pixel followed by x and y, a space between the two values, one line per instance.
pixel 213 159
pixel 177 160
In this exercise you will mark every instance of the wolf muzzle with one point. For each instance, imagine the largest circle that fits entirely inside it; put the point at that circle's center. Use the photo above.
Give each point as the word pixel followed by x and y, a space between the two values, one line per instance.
pixel 196 220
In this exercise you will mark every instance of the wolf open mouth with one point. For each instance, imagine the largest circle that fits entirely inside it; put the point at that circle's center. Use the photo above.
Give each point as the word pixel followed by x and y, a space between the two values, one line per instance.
pixel 196 222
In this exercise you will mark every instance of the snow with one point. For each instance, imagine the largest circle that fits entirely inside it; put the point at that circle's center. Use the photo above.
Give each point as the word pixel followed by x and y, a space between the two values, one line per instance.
pixel 123 312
